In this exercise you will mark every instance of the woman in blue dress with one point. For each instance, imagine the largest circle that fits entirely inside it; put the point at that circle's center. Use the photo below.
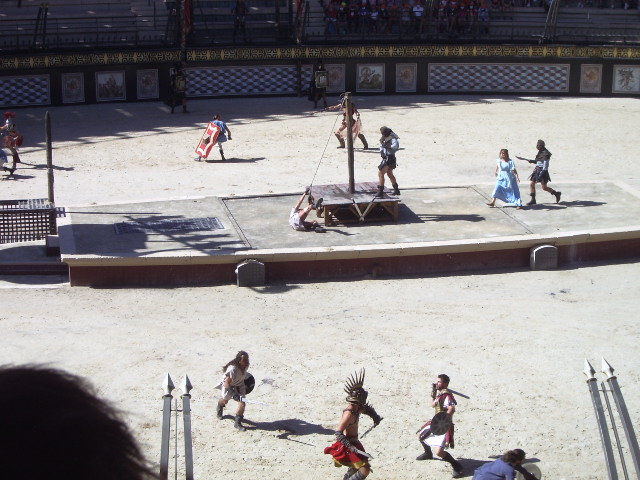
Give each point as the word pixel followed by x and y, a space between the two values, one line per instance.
pixel 506 181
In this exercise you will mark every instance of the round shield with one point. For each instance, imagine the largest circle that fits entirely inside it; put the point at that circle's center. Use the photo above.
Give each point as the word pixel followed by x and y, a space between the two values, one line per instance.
pixel 529 467
pixel 440 423
pixel 249 383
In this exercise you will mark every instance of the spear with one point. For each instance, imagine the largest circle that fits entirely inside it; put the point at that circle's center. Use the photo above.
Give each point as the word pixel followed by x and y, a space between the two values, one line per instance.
pixel 602 421
pixel 186 387
pixel 624 415
pixel 167 386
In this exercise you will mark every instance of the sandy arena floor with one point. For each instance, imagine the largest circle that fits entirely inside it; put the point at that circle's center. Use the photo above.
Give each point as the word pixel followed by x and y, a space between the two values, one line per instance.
pixel 514 342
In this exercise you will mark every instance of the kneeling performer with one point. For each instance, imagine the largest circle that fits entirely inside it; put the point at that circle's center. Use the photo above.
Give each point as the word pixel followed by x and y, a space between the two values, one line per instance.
pixel 347 451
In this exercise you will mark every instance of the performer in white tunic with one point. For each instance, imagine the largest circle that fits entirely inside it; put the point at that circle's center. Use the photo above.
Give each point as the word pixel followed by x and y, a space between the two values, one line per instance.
pixel 233 386
pixel 443 401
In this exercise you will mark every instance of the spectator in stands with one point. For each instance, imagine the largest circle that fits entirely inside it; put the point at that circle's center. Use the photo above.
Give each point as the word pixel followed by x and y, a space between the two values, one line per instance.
pixel 343 15
pixel 352 17
pixel 405 18
pixel 331 19
pixel 394 16
pixel 464 16
pixel 373 19
pixel 443 16
pixel 364 14
pixel 384 19
pixel 418 17
pixel 483 16
pixel 239 12
pixel 454 6
pixel 55 426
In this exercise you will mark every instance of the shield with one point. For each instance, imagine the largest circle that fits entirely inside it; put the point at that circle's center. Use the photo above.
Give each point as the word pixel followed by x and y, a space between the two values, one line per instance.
pixel 322 79
pixel 532 469
pixel 441 423
pixel 249 383
pixel 208 140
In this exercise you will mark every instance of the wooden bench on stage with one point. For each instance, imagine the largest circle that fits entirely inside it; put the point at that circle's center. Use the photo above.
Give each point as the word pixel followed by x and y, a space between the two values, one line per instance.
pixel 340 206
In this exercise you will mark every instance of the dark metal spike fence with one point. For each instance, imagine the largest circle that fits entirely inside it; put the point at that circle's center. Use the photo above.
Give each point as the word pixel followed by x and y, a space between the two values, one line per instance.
pixel 612 387
pixel 170 405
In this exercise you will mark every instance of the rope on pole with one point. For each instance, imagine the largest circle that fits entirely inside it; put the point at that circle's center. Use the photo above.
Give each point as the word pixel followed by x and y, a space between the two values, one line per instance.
pixel 325 149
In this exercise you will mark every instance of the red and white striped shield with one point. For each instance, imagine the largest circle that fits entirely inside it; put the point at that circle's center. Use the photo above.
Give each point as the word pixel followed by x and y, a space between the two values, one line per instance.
pixel 208 140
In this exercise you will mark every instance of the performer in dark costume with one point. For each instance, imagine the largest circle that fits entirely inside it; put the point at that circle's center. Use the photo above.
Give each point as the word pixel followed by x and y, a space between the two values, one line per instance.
pixel 11 140
pixel 347 451
pixel 389 145
pixel 239 12
pixel 178 90
pixel 443 401
pixel 541 173
pixel 317 87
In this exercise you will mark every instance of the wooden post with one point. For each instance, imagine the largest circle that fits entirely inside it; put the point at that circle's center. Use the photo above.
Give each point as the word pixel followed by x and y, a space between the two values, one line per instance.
pixel 47 126
pixel 183 31
pixel 349 118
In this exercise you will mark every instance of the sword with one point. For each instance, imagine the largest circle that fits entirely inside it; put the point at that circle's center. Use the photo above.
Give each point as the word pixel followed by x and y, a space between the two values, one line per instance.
pixel 525 159
pixel 361 453
pixel 255 402
pixel 370 428
pixel 459 394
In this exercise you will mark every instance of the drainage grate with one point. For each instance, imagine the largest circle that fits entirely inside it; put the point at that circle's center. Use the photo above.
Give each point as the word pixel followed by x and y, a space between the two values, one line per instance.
pixel 170 226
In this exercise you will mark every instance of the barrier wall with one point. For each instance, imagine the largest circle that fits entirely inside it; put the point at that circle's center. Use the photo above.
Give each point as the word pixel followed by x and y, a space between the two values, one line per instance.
pixel 63 79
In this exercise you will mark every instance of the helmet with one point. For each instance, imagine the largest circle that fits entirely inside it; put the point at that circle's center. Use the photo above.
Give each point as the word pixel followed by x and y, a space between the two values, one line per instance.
pixel 354 389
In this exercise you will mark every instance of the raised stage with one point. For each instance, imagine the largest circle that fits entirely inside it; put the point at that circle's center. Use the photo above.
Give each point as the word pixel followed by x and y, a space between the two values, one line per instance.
pixel 340 206
pixel 200 241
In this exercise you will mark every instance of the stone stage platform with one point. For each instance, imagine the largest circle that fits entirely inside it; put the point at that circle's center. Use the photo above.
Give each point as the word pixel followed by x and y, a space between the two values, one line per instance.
pixel 439 229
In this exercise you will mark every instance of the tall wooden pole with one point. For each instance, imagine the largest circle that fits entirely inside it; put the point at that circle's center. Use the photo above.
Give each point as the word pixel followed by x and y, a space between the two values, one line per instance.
pixel 47 127
pixel 349 117
pixel 183 31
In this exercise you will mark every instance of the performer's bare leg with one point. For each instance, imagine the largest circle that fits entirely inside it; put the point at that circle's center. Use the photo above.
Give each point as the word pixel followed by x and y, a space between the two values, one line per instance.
pixel 532 192
pixel 221 151
pixel 446 456
pixel 305 212
pixel 391 176
pixel 16 157
pixel 381 174
pixel 553 192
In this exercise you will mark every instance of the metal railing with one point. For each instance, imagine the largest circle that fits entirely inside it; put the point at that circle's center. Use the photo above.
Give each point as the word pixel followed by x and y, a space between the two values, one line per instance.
pixel 213 24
